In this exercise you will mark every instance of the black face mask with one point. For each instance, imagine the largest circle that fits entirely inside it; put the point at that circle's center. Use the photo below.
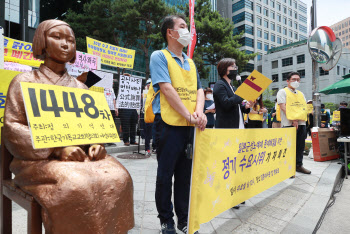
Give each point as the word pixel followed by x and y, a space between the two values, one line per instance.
pixel 232 75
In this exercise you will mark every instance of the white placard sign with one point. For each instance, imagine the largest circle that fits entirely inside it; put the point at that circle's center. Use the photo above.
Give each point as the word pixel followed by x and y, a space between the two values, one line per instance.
pixel 129 95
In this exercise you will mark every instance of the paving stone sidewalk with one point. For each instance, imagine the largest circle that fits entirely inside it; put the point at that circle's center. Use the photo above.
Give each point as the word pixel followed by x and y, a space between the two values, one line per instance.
pixel 292 206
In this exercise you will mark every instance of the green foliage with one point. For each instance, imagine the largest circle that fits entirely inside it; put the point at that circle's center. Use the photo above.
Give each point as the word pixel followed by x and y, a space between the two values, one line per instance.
pixel 215 39
pixel 268 104
pixel 268 93
pixel 331 106
pixel 126 23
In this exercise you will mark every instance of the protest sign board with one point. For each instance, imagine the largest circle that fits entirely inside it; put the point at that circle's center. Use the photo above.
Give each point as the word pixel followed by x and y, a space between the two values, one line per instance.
pixel 232 165
pixel 83 63
pixel 111 55
pixel 17 67
pixel 6 78
pixel 129 95
pixel 20 52
pixel 253 86
pixel 62 116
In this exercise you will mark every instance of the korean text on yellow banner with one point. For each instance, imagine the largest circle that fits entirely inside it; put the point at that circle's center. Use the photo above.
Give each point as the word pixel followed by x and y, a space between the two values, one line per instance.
pixel 233 165
pixel 62 116
pixel 6 78
pixel 310 108
pixel 111 55
pixel 19 52
pixel 336 115
pixel 253 86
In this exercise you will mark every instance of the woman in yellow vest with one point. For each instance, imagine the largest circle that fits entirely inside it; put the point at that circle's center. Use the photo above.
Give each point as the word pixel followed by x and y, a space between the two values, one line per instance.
pixel 255 116
pixel 276 115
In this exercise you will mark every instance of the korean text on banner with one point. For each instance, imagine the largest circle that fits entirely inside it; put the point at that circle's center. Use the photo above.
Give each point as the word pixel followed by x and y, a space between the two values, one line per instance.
pixel 19 52
pixel 83 63
pixel 233 165
pixel 129 95
pixel 310 108
pixel 61 116
pixel 111 55
pixel 253 86
pixel 6 78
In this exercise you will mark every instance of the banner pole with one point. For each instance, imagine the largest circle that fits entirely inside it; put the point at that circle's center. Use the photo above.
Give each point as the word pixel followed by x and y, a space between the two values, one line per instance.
pixel 1 48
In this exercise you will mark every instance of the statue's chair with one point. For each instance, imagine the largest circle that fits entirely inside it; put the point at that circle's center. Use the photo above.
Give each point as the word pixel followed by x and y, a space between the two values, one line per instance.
pixel 10 192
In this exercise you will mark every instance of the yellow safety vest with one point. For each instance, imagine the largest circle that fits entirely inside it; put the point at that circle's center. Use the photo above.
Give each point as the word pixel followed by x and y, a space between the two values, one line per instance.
pixel 336 116
pixel 310 108
pixel 256 116
pixel 278 113
pixel 245 117
pixel 185 84
pixel 295 106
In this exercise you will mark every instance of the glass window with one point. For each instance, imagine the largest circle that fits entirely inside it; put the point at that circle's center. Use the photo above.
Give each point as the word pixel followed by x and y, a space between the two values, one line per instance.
pixel 259 21
pixel 266 24
pixel 278 6
pixel 266 12
pixel 344 71
pixel 302 9
pixel 279 18
pixel 279 28
pixel 248 68
pixel 275 78
pixel 272 14
pixel 242 16
pixel 284 31
pixel 285 20
pixel 273 26
pixel 258 8
pixel 259 45
pixel 295 15
pixel 243 28
pixel 259 33
pixel 290 12
pixel 284 41
pixel 301 58
pixel 323 72
pixel 266 2
pixel 285 10
pixel 242 4
pixel 290 33
pixel 287 62
pixel 303 19
pixel 296 5
pixel 295 25
pixel 246 41
pixel 290 23
pixel 285 75
pixel 266 35
pixel 279 41
pixel 274 64
pixel 302 28
pixel 259 57
pixel 266 47
pixel 273 37
pixel 272 4
pixel 302 73
pixel 296 36
pixel 274 91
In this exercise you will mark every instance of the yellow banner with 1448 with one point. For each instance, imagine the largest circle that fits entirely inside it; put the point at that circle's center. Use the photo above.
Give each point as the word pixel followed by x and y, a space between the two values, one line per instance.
pixel 61 116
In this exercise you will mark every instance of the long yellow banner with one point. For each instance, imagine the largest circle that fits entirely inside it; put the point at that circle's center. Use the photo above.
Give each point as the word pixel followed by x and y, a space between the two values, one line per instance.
pixel 19 52
pixel 110 54
pixel 233 165
pixel 62 116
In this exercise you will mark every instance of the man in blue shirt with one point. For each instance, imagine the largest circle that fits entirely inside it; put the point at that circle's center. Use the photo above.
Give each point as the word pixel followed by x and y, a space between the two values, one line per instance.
pixel 177 107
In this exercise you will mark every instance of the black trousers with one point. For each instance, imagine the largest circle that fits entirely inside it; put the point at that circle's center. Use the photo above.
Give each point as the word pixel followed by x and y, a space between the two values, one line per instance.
pixel 128 119
pixel 300 144
pixel 254 124
pixel 171 142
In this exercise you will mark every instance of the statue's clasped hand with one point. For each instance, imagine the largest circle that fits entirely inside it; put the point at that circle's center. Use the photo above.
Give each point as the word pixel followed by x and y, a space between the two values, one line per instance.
pixel 75 153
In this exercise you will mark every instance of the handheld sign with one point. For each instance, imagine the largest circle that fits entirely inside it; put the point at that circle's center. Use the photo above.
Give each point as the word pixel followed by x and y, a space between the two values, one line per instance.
pixel 62 116
pixel 253 86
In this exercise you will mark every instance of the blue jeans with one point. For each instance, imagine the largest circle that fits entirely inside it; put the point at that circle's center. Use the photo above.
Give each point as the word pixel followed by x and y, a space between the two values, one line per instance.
pixel 171 143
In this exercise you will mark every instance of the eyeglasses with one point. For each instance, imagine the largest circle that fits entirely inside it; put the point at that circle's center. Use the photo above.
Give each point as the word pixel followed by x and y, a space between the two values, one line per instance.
pixel 235 67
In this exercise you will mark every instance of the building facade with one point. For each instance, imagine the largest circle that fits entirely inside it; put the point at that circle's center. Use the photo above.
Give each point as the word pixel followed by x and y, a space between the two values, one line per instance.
pixel 342 30
pixel 265 24
pixel 20 24
pixel 280 61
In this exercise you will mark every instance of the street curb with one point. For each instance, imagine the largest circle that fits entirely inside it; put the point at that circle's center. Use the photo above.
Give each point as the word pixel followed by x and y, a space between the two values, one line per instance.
pixel 123 149
pixel 308 216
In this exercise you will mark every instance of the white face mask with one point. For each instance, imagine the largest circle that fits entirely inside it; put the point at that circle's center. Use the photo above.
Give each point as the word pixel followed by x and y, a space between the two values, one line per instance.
pixel 295 84
pixel 185 36
pixel 209 96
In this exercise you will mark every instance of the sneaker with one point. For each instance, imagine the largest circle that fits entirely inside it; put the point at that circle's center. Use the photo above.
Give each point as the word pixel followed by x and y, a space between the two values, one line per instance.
pixel 126 143
pixel 134 143
pixel 167 228
pixel 182 228
pixel 154 151
pixel 148 153
pixel 303 170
